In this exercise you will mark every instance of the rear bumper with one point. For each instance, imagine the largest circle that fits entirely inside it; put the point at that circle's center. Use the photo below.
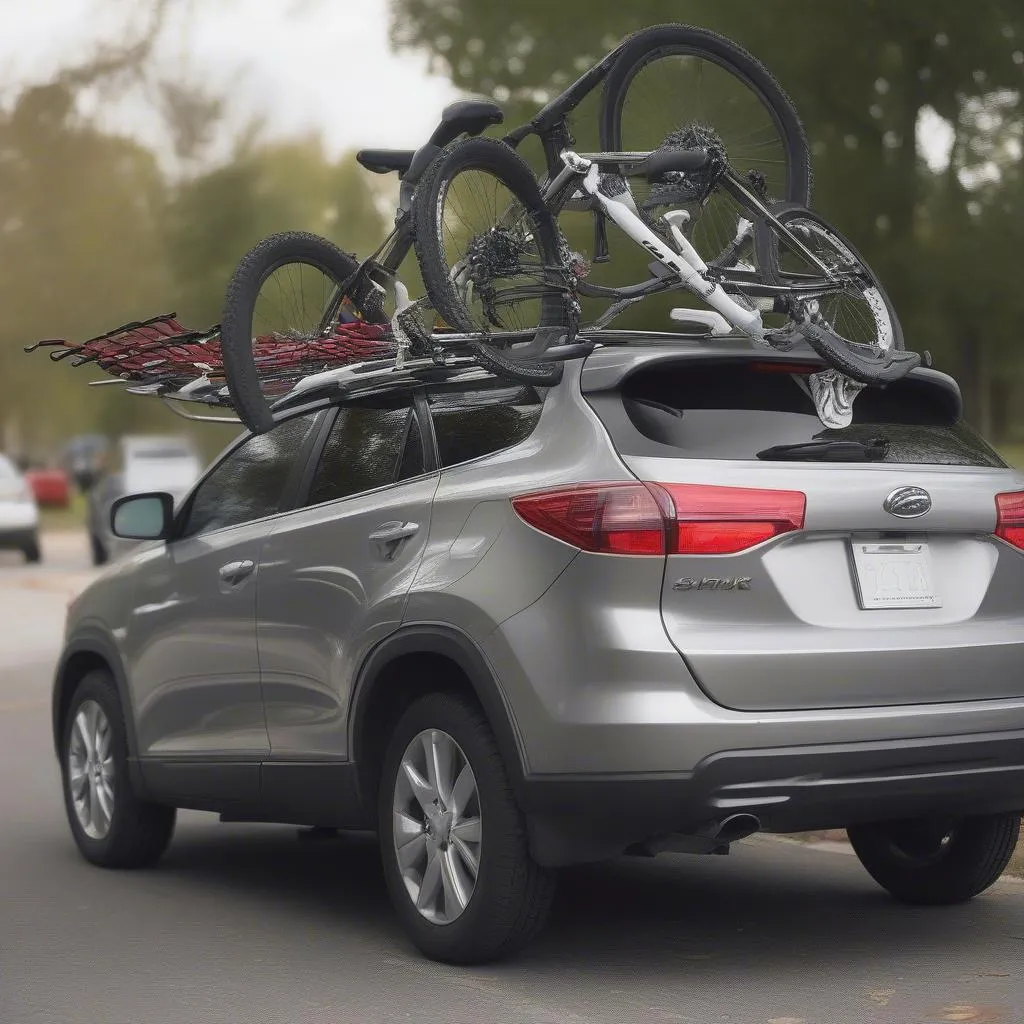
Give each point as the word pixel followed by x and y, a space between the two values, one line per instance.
pixel 18 538
pixel 799 788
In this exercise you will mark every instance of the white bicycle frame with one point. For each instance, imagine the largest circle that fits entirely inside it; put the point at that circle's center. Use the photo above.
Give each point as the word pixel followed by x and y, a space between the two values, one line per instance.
pixel 686 262
pixel 832 392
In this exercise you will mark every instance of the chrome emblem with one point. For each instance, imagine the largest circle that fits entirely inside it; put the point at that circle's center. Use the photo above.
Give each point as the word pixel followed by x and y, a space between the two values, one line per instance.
pixel 713 583
pixel 908 502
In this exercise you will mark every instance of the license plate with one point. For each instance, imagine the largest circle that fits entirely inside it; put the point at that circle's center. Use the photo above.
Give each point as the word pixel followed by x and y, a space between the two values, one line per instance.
pixel 894 575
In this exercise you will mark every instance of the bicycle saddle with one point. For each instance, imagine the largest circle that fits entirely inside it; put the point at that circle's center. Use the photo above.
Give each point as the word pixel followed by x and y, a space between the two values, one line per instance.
pixel 381 161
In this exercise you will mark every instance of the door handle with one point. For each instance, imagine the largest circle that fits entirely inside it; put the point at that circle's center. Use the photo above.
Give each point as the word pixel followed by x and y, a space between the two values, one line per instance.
pixel 235 572
pixel 388 533
pixel 388 536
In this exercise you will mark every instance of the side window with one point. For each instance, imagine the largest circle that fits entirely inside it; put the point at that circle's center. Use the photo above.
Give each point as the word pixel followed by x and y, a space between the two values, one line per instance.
pixel 250 482
pixel 470 424
pixel 369 446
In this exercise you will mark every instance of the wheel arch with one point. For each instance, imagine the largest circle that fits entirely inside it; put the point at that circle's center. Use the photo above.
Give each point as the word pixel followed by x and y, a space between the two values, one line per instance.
pixel 85 652
pixel 412 661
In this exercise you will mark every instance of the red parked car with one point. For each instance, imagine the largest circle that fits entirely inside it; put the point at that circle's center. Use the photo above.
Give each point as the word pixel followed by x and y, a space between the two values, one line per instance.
pixel 50 487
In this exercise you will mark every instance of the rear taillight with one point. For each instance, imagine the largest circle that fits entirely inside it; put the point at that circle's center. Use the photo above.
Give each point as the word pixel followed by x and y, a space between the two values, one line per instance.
pixel 1010 518
pixel 723 520
pixel 655 519
pixel 612 518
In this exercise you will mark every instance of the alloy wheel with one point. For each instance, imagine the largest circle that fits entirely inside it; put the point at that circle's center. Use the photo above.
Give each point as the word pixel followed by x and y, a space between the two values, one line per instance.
pixel 90 765
pixel 436 826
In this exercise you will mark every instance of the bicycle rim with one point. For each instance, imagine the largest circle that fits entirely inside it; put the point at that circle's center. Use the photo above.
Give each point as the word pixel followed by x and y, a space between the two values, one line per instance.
pixel 288 323
pixel 493 255
pixel 860 312
pixel 716 100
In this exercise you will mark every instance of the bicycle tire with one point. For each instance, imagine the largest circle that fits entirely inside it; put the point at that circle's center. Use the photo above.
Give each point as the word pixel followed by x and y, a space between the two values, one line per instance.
pixel 651 44
pixel 272 253
pixel 499 160
pixel 863 362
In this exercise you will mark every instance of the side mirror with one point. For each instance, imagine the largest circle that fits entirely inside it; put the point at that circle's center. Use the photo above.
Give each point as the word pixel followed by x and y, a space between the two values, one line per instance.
pixel 142 516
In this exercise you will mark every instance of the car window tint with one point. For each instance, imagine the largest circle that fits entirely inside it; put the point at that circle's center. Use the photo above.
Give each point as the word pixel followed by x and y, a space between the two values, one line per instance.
pixel 368 447
pixel 711 411
pixel 250 482
pixel 475 423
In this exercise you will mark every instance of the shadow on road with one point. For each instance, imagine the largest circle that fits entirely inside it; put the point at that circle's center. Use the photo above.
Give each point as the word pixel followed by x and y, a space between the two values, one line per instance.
pixel 768 908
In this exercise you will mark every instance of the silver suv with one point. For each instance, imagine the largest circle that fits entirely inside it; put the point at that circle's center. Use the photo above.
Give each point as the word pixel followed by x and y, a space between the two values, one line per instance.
pixel 654 608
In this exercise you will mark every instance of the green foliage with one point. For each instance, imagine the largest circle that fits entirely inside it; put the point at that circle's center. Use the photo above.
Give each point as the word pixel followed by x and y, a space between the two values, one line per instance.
pixel 94 234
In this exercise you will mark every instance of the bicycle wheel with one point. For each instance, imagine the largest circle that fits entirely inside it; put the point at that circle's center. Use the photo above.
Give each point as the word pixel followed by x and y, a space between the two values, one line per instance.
pixel 856 329
pixel 490 258
pixel 685 86
pixel 279 322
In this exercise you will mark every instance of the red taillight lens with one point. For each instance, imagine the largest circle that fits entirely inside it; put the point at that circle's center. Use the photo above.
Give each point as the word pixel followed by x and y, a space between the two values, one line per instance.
pixel 613 518
pixel 712 520
pixel 636 519
pixel 1010 518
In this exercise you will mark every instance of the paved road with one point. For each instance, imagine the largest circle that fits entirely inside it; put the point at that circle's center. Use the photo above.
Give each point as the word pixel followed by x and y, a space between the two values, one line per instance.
pixel 245 924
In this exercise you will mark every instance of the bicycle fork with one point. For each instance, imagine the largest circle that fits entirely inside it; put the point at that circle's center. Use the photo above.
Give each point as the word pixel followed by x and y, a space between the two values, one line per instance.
pixel 687 263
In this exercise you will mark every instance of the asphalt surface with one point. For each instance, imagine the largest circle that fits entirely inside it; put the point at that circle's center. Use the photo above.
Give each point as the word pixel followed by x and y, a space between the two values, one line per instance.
pixel 247 924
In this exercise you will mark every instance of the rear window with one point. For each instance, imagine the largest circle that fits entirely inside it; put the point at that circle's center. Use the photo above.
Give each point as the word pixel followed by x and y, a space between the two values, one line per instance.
pixel 734 411
pixel 471 424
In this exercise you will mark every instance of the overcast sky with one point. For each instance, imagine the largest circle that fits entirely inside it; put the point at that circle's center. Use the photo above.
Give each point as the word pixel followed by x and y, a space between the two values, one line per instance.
pixel 323 65
pixel 320 64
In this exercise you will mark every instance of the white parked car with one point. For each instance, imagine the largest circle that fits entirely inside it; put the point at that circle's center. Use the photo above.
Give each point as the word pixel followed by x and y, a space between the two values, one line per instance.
pixel 19 516
pixel 145 463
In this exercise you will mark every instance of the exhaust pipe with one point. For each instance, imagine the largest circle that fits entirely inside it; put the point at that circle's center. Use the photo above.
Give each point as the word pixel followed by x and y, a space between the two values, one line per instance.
pixel 736 827
pixel 713 837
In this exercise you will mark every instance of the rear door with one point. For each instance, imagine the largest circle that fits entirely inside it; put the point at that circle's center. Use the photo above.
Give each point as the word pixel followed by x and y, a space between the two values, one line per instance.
pixel 335 573
pixel 823 584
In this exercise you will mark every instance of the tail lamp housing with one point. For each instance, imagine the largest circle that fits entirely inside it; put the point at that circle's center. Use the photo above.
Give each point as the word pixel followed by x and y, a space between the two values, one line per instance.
pixel 638 518
pixel 1010 518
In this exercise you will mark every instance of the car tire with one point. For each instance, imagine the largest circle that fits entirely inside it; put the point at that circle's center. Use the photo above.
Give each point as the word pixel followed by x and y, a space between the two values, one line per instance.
pixel 507 903
pixel 937 863
pixel 111 826
pixel 31 552
pixel 99 554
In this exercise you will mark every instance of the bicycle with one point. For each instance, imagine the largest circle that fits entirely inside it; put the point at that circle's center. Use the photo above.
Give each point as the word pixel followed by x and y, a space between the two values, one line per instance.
pixel 738 191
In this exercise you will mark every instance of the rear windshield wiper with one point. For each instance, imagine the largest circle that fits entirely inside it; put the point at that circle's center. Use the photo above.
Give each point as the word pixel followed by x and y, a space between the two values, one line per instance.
pixel 823 450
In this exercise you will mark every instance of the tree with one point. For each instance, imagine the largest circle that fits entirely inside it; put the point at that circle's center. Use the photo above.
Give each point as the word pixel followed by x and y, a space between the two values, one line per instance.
pixel 865 76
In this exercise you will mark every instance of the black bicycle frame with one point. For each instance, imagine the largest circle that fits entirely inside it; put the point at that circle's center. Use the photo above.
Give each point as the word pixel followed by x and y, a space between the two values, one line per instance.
pixel 549 125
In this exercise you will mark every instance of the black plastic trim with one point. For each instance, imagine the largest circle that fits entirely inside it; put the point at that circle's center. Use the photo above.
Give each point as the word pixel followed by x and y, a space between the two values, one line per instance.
pixel 312 793
pixel 91 640
pixel 202 785
pixel 787 789
pixel 438 638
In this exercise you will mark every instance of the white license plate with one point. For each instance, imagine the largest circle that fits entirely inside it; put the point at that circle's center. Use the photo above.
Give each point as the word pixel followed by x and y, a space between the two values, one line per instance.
pixel 894 575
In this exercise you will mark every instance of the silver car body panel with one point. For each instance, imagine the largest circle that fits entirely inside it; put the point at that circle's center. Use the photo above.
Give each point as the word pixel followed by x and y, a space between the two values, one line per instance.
pixel 602 669
pixel 327 594
pixel 190 647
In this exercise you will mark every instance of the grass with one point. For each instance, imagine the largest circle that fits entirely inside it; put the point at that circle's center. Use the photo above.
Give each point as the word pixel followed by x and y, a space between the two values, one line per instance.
pixel 70 518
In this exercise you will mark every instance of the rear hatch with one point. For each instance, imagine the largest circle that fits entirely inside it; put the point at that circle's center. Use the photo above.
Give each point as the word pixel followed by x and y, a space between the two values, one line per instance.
pixel 797 581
